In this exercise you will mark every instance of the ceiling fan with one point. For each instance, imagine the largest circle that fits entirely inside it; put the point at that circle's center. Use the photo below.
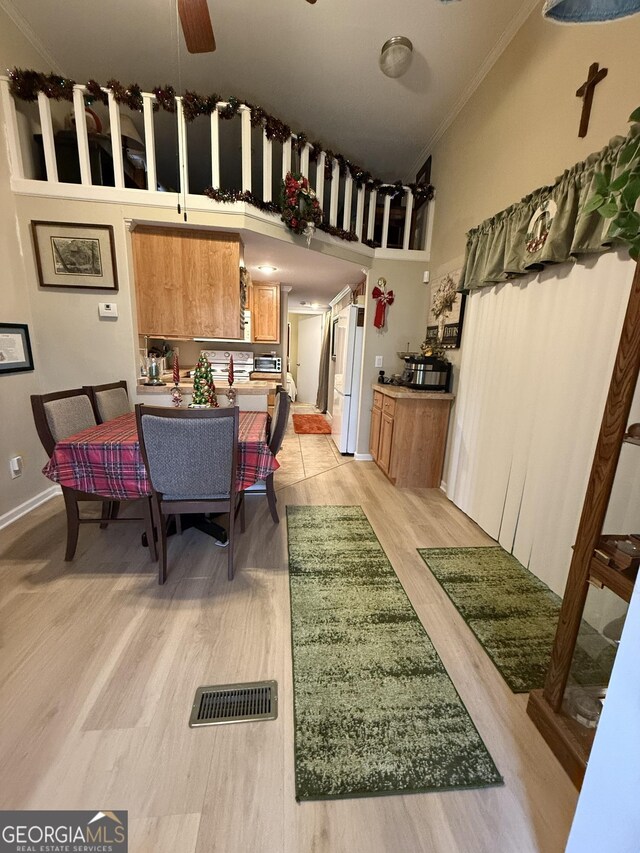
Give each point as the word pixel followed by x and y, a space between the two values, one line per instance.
pixel 196 25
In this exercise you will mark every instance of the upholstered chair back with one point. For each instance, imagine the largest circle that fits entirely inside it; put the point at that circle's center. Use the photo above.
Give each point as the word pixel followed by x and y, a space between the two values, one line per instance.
pixel 190 458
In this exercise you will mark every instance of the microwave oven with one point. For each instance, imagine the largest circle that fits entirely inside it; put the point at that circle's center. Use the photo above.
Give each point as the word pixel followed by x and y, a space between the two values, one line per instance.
pixel 267 363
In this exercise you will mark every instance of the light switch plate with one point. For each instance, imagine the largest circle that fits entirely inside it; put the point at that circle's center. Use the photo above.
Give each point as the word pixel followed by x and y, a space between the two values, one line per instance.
pixel 108 309
pixel 379 361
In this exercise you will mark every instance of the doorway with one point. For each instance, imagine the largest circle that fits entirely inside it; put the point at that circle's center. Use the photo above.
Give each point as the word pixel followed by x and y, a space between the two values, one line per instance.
pixel 306 356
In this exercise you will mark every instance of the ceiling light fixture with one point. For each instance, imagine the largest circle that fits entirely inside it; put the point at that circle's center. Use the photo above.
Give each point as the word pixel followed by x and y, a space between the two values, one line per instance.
pixel 395 56
pixel 267 268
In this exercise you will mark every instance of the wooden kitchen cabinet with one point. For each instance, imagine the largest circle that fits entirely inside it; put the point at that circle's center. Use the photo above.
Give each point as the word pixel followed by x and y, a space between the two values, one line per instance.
pixel 376 423
pixel 187 282
pixel 409 433
pixel 386 441
pixel 265 312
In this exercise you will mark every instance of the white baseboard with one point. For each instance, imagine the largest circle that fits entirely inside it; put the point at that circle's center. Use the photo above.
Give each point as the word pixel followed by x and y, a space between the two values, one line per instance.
pixel 443 486
pixel 328 416
pixel 23 508
pixel 363 457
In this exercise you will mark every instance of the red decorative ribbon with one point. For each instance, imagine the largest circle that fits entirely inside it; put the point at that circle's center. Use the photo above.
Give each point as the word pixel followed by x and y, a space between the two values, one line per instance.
pixel 176 368
pixel 385 297
pixel 230 370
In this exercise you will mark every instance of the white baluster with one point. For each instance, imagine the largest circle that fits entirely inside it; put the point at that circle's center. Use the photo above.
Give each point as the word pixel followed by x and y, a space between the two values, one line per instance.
pixel 13 138
pixel 304 159
pixel 373 200
pixel 215 149
pixel 245 117
pixel 407 221
pixel 48 143
pixel 116 140
pixel 81 134
pixel 335 189
pixel 183 160
pixel 320 178
pixel 385 221
pixel 149 140
pixel 360 211
pixel 429 236
pixel 346 213
pixel 286 158
pixel 267 167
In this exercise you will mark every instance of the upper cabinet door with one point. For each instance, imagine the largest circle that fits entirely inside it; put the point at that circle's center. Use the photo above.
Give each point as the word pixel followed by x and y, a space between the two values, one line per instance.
pixel 187 282
pixel 265 316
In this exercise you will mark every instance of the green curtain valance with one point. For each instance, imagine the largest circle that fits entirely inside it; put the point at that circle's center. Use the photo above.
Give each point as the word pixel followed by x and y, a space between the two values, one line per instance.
pixel 546 227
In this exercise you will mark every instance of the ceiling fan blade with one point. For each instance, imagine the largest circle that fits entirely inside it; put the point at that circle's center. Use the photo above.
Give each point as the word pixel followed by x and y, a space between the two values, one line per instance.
pixel 196 26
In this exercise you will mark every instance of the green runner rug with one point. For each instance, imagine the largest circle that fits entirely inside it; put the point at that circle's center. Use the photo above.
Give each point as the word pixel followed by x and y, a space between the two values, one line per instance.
pixel 514 615
pixel 375 711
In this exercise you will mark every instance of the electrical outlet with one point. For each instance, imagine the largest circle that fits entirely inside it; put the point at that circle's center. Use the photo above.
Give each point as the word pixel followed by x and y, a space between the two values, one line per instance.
pixel 15 466
pixel 379 361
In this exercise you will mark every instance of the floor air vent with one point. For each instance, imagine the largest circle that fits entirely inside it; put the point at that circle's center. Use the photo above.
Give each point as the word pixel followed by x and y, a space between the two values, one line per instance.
pixel 235 703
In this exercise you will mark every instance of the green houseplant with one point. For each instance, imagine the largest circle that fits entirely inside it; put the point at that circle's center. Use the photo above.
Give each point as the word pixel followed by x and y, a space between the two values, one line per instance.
pixel 617 199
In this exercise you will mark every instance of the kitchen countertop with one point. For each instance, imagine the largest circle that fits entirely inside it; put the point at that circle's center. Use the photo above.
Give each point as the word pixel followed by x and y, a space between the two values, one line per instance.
pixel 399 392
pixel 253 387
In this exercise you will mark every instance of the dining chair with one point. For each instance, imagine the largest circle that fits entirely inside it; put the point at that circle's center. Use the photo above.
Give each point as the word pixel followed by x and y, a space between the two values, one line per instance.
pixel 191 459
pixel 57 416
pixel 279 421
pixel 109 401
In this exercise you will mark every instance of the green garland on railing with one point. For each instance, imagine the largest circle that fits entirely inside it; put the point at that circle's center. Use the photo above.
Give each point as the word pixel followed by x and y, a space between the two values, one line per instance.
pixel 26 84
pixel 230 196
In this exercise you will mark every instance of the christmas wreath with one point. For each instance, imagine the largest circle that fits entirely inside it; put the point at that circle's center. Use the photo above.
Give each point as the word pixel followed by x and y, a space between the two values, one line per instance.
pixel 301 211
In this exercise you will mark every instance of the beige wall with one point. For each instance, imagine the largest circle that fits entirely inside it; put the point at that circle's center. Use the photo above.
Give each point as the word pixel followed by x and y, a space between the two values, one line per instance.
pixel 405 321
pixel 519 130
pixel 293 346
pixel 17 433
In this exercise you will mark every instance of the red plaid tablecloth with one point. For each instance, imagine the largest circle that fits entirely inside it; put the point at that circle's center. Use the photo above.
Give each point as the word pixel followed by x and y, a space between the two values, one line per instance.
pixel 106 459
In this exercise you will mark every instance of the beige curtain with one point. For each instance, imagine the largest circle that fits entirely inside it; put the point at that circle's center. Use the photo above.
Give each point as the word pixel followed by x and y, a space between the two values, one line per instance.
pixel 546 227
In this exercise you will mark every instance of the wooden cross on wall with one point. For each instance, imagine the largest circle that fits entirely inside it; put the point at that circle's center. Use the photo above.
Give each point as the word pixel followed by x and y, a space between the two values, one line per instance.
pixel 596 75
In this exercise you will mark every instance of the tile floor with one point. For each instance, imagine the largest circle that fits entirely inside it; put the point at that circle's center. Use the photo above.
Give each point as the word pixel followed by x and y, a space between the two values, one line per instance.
pixel 304 456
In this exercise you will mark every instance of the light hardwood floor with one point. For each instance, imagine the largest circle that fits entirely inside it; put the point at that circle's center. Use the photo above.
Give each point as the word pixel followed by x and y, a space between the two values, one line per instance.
pixel 99 666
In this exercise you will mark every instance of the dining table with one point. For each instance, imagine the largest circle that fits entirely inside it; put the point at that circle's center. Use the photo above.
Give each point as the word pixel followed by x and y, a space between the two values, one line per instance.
pixel 106 459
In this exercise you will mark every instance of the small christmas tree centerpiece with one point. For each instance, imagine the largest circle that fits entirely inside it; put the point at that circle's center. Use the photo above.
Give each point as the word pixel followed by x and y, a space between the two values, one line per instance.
pixel 202 384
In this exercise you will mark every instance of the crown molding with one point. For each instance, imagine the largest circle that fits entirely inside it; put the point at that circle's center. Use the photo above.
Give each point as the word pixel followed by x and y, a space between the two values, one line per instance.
pixel 27 31
pixel 501 45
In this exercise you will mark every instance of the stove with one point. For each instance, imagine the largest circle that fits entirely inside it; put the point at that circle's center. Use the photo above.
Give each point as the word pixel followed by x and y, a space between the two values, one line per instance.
pixel 219 361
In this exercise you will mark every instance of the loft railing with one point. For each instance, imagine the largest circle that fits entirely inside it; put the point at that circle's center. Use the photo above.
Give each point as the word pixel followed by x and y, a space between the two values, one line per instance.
pixel 369 213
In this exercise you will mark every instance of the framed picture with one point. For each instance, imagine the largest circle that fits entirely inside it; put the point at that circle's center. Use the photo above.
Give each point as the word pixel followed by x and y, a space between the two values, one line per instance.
pixel 15 348
pixel 447 328
pixel 73 255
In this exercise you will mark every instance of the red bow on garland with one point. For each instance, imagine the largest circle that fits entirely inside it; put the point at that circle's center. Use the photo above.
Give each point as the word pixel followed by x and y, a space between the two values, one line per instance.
pixel 385 297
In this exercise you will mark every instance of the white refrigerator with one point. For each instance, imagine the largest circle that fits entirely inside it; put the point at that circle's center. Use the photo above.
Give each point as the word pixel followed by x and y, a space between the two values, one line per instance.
pixel 348 333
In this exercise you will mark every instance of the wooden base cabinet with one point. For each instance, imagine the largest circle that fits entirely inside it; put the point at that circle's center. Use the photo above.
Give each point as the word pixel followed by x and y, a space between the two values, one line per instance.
pixel 409 434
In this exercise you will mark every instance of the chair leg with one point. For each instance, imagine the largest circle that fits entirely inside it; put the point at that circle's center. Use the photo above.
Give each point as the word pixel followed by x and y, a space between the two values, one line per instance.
pixel 271 498
pixel 106 514
pixel 115 509
pixel 147 513
pixel 242 513
pixel 73 522
pixel 178 519
pixel 232 516
pixel 161 526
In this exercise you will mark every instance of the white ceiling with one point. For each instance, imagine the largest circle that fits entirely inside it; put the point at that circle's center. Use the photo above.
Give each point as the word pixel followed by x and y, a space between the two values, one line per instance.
pixel 313 66
pixel 314 277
